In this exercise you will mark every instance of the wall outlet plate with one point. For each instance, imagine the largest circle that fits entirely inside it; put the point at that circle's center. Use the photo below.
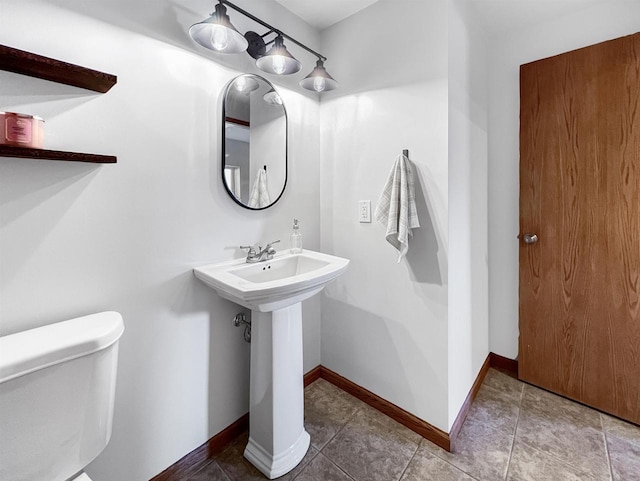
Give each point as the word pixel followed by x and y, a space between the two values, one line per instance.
pixel 364 211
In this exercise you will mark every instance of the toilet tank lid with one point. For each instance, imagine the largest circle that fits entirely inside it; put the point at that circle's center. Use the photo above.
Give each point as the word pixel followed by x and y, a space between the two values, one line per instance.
pixel 28 351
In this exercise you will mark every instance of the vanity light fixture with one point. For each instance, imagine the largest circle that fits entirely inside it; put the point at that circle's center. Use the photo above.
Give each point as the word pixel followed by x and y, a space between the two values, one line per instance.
pixel 218 33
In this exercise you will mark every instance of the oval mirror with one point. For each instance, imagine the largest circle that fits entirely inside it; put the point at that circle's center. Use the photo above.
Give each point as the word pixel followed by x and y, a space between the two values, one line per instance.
pixel 254 147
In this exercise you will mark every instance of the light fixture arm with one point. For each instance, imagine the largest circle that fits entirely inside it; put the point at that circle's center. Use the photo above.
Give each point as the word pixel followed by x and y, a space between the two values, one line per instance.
pixel 272 29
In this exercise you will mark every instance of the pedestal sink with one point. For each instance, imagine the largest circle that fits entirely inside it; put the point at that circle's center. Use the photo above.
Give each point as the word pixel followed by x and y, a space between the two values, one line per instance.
pixel 273 290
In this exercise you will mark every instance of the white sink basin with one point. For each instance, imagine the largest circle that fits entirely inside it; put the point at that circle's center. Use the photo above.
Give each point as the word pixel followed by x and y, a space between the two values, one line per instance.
pixel 275 284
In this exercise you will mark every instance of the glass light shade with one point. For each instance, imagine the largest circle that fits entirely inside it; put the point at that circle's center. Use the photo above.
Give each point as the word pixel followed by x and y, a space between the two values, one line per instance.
pixel 319 79
pixel 272 97
pixel 278 60
pixel 218 33
pixel 245 84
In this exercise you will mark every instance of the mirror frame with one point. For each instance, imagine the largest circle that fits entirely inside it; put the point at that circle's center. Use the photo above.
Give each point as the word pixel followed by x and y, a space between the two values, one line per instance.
pixel 224 142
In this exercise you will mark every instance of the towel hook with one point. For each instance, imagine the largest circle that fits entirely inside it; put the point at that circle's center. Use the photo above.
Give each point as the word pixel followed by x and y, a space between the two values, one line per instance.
pixel 405 152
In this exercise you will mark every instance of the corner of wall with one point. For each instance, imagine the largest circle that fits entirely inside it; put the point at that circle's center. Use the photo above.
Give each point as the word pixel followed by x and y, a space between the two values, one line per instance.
pixel 468 343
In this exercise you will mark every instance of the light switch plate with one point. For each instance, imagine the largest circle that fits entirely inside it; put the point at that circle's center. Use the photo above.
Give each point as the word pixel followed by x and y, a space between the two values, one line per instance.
pixel 364 211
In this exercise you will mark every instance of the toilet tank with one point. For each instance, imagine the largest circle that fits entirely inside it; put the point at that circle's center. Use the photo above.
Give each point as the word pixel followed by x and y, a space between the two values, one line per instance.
pixel 57 388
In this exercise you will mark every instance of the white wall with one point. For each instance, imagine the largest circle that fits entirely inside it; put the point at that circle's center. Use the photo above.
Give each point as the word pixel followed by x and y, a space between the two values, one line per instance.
pixel 384 325
pixel 506 53
pixel 80 238
pixel 468 343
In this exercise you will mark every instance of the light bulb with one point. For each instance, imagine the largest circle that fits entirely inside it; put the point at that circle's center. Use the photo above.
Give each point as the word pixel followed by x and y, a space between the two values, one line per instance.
pixel 279 64
pixel 272 98
pixel 219 37
pixel 241 84
pixel 319 84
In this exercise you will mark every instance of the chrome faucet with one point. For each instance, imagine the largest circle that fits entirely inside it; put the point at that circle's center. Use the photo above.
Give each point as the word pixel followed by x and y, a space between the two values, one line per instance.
pixel 260 254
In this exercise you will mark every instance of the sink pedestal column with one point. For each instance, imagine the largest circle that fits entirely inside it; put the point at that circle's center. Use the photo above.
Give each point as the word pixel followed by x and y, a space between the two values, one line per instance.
pixel 277 438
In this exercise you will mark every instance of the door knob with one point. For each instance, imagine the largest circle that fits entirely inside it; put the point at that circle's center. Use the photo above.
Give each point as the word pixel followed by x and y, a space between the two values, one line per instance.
pixel 530 238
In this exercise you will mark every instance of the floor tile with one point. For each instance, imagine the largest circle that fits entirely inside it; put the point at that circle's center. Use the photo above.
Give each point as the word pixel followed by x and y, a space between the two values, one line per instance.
pixel 621 429
pixel 209 472
pixel 558 408
pixel 389 424
pixel 529 464
pixel 427 467
pixel 564 429
pixel 510 388
pixel 326 412
pixel 318 387
pixel 481 451
pixel 625 458
pixel 233 463
pixel 327 387
pixel 237 468
pixel 555 440
pixel 368 450
pixel 492 408
pixel 321 469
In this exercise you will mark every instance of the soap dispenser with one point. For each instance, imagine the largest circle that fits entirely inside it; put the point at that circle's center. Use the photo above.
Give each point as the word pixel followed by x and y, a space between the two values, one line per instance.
pixel 296 238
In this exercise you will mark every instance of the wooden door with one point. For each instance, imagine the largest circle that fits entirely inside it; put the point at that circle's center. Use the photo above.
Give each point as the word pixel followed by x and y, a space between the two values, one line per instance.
pixel 580 194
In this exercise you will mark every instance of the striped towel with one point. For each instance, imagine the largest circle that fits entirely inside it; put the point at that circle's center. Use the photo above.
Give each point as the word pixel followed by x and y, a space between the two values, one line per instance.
pixel 259 192
pixel 397 206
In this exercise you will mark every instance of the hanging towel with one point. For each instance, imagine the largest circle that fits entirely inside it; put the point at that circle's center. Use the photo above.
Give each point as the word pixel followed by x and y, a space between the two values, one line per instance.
pixel 397 206
pixel 259 192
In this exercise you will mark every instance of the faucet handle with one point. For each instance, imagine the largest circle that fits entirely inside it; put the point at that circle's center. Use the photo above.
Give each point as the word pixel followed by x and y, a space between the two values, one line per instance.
pixel 270 250
pixel 251 250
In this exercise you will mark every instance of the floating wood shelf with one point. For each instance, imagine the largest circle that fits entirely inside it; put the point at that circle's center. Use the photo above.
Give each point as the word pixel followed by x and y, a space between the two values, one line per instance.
pixel 44 154
pixel 34 65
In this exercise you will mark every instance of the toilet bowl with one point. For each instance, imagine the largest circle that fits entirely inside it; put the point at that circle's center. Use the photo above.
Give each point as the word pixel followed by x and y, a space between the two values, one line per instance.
pixel 57 389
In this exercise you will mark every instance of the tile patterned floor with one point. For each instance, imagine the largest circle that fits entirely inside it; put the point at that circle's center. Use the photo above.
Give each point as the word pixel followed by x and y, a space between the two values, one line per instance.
pixel 514 432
